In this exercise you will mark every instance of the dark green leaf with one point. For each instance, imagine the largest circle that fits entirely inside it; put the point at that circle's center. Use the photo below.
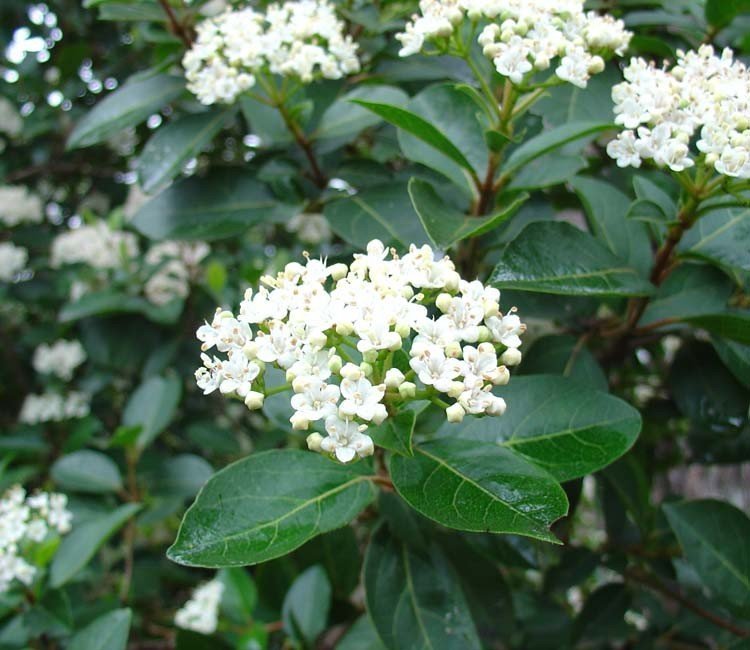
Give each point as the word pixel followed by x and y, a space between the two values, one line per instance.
pixel 127 106
pixel 86 471
pixel 152 407
pixel 445 225
pixel 549 170
pixel 395 433
pixel 79 546
pixel 563 355
pixel 174 144
pixel 736 358
pixel 219 205
pixel 602 618
pixel 713 535
pixel 721 237
pixel 476 486
pixel 306 606
pixel 107 301
pixel 268 504
pixel 240 596
pixel 558 423
pixel 108 632
pixel 181 476
pixel 555 257
pixel 345 119
pixel 414 599
pixel 361 636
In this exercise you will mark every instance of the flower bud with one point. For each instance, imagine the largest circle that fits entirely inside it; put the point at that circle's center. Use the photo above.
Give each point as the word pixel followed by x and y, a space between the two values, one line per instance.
pixel 394 378
pixel 452 281
pixel 379 415
pixel 501 377
pixel 300 384
pixel 299 422
pixel 313 441
pixel 491 308
pixel 347 410
pixel 455 413
pixel 496 407
pixel 344 328
pixel 484 334
pixel 254 400
pixel 403 330
pixel 407 390
pixel 453 350
pixel 290 375
pixel 443 302
pixel 338 271
pixel 394 342
pixel 317 339
pixel 250 349
pixel 511 357
pixel 335 363
pixel 371 356
pixel 366 369
pixel 293 269
pixel 351 372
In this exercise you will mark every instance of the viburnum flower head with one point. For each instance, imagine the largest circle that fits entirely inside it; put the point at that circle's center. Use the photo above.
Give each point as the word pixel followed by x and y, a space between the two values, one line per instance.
pixel 356 343
pixel 662 111
pixel 299 38
pixel 522 37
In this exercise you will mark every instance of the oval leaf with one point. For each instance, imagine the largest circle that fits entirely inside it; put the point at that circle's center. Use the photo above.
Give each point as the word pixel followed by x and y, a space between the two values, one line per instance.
pixel 345 119
pixel 268 504
pixel 108 632
pixel 555 257
pixel 86 471
pixel 152 407
pixel 479 486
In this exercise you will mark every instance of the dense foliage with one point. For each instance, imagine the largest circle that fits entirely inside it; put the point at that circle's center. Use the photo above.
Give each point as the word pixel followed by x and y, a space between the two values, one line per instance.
pixel 479 376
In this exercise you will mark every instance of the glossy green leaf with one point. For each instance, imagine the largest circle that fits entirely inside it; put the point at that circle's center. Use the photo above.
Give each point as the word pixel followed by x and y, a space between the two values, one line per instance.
pixel 419 128
pixel 152 407
pixel 556 257
pixel 343 118
pixel 107 302
pixel 395 433
pixel 606 209
pixel 562 354
pixel 361 636
pixel 414 598
pixel 557 423
pixel 108 632
pixel 86 471
pixel 127 106
pixel 240 595
pixel 219 205
pixel 720 13
pixel 721 237
pixel 647 190
pixel 547 171
pixel 445 225
pixel 731 324
pixel 713 535
pixel 384 213
pixel 306 606
pixel 174 144
pixel 736 358
pixel 79 546
pixel 268 504
pixel 181 476
pixel 479 486
pixel 549 141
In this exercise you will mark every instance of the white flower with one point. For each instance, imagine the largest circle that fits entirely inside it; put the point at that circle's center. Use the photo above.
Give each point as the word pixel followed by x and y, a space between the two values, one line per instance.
pixel 53 407
pixel 18 206
pixel 12 260
pixel 506 330
pixel 201 612
pixel 317 401
pixel 11 122
pixel 59 359
pixel 345 439
pixel 361 399
pixel 310 228
pixel 97 245
pixel 434 369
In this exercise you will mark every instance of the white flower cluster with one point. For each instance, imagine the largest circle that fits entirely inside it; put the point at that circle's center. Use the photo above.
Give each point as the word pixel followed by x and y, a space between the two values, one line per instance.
pixel 176 263
pixel 12 260
pixel 336 330
pixel 11 122
pixel 18 205
pixel 96 245
pixel 59 359
pixel 201 612
pixel 663 109
pixel 26 521
pixel 53 407
pixel 525 36
pixel 297 39
pixel 310 228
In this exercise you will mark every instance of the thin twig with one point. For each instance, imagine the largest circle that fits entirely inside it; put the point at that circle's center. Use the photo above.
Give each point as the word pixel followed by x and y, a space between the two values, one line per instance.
pixel 175 26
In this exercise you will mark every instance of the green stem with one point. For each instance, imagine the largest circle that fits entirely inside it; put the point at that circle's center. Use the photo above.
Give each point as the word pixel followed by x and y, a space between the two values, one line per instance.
pixel 278 389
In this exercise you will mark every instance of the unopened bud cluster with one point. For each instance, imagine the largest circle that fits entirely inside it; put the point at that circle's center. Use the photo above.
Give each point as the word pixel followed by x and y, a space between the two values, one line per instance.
pixel 662 110
pixel 201 612
pixel 358 342
pixel 25 523
pixel 296 39
pixel 525 36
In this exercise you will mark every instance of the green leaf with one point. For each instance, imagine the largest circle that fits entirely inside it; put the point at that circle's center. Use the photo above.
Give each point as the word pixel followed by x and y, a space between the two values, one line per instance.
pixel 181 476
pixel 414 598
pixel 175 143
pixel 361 636
pixel 720 13
pixel 265 123
pixel 383 212
pixel 219 205
pixel 713 535
pixel 268 504
pixel 647 190
pixel 736 358
pixel 549 170
pixel 447 226
pixel 127 106
pixel 78 547
pixel 420 128
pixel 721 237
pixel 306 606
pixel 108 301
pixel 549 141
pixel 240 595
pixel 562 354
pixel 152 406
pixel 395 433
pixel 556 257
pixel 602 618
pixel 343 119
pixel 557 423
pixel 476 486
pixel 86 471
pixel 108 632
pixel 606 209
